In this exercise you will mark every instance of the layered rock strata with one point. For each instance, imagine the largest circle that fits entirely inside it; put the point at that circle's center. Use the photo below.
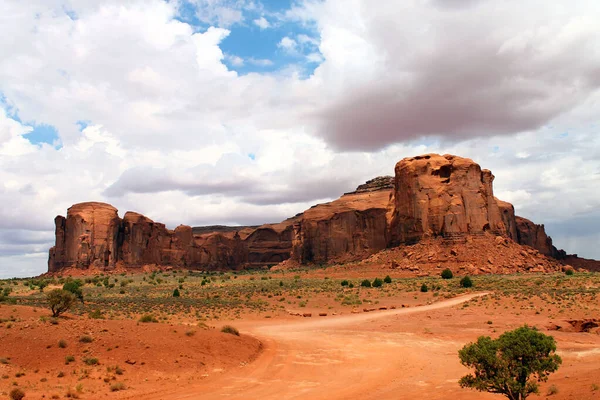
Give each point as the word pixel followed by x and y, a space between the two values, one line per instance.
pixel 431 196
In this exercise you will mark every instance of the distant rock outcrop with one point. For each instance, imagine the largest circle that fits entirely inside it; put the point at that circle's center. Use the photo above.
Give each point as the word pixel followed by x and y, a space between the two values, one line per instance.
pixel 430 198
pixel 442 196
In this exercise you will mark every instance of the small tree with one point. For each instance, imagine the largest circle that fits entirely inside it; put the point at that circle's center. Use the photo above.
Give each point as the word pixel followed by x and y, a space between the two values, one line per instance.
pixel 60 301
pixel 377 282
pixel 424 288
pixel 466 282
pixel 510 365
pixel 447 274
pixel 387 279
pixel 176 293
pixel 365 283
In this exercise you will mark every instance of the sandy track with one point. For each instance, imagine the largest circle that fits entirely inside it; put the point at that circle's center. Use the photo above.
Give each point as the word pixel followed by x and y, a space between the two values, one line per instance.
pixel 333 358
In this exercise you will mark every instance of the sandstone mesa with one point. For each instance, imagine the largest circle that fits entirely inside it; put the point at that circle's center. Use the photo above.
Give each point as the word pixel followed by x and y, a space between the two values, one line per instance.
pixel 432 200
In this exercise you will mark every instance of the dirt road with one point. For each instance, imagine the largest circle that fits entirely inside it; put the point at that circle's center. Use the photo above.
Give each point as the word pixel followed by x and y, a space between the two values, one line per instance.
pixel 337 358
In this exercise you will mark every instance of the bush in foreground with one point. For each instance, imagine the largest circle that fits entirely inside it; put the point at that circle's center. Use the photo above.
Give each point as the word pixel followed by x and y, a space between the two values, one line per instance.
pixel 377 282
pixel 365 283
pixel 60 301
pixel 424 288
pixel 510 365
pixel 230 329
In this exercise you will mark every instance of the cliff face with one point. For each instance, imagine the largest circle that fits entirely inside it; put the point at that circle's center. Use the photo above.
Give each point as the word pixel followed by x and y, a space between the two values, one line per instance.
pixel 431 196
pixel 351 227
pixel 87 236
pixel 93 235
pixel 442 196
pixel 534 235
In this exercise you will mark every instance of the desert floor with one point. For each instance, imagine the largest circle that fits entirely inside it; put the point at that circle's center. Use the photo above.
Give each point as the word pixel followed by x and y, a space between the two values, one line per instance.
pixel 357 350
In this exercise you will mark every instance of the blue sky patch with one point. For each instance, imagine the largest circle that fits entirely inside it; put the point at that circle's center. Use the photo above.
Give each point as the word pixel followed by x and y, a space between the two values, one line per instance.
pixel 254 47
pixel 42 133
pixel 82 124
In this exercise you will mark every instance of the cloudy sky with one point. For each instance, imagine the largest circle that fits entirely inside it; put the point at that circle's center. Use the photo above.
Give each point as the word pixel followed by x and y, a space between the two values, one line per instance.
pixel 245 112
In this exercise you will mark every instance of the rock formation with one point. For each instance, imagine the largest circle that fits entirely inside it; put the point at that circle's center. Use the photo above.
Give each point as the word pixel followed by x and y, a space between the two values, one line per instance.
pixel 431 198
pixel 88 236
pixel 351 227
pixel 442 196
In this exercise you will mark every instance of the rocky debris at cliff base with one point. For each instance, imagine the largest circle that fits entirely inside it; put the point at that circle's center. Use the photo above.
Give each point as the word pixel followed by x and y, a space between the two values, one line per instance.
pixel 472 256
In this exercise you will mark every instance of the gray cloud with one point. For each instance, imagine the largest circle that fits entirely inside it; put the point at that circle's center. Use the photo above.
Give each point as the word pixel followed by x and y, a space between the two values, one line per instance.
pixel 462 73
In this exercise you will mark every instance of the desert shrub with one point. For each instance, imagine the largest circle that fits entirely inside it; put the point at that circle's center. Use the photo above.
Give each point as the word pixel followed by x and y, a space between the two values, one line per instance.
pixel 117 386
pixel 387 279
pixel 377 282
pixel 466 282
pixel 230 329
pixel 90 361
pixel 86 339
pixel 75 288
pixel 365 283
pixel 60 301
pixel 16 394
pixel 148 318
pixel 176 293
pixel 569 272
pixel 510 365
pixel 424 288
pixel 62 343
pixel 69 359
pixel 351 285
pixel 345 283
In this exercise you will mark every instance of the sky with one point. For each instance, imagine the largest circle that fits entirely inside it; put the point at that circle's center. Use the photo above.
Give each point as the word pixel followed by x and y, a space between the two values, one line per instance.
pixel 206 112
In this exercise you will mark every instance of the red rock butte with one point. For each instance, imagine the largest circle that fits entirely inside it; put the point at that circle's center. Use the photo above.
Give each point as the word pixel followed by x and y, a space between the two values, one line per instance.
pixel 431 196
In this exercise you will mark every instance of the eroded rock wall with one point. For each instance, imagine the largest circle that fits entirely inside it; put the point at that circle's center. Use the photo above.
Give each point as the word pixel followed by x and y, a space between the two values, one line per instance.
pixel 442 196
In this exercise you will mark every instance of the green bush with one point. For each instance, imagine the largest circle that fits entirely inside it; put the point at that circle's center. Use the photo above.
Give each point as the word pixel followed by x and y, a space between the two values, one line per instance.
pixel 377 282
pixel 466 282
pixel 345 283
pixel 75 288
pixel 176 293
pixel 424 288
pixel 387 279
pixel 365 283
pixel 230 329
pixel 569 272
pixel 447 274
pixel 510 365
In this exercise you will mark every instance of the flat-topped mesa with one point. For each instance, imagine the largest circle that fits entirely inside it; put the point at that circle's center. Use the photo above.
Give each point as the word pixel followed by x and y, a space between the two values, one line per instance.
pixel 88 236
pixel 438 195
